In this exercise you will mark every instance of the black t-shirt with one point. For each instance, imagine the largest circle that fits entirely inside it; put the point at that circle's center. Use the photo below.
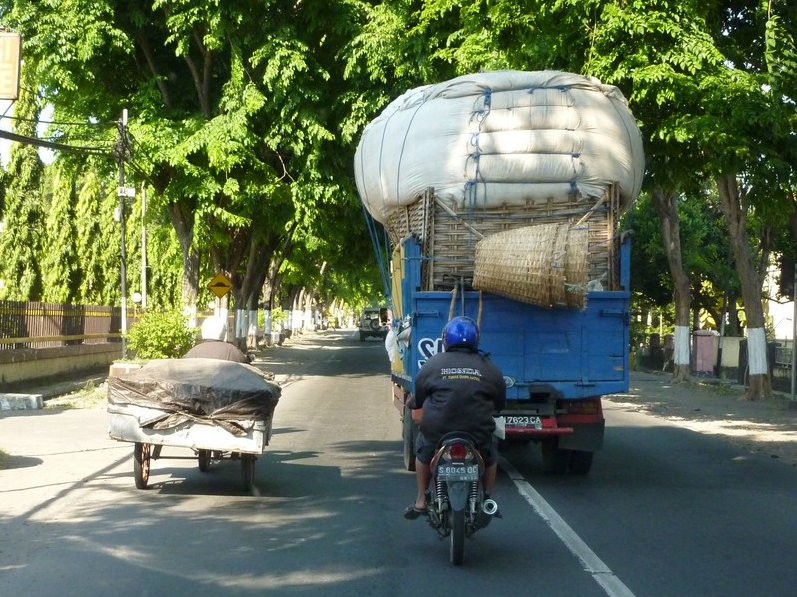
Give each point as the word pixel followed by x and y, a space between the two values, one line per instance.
pixel 216 349
pixel 459 390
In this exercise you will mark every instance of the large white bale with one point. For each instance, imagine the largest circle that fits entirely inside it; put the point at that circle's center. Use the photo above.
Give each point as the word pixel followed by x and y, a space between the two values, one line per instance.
pixel 500 138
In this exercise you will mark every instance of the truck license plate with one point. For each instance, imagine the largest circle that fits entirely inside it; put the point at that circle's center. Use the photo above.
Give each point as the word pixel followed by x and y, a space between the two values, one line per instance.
pixel 458 472
pixel 524 422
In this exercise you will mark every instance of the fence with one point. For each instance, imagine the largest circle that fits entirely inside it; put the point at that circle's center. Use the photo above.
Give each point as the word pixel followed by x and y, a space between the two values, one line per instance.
pixel 50 325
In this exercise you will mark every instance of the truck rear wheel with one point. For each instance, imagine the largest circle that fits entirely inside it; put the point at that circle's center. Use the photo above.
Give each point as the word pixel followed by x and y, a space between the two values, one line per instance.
pixel 409 431
pixel 580 462
pixel 555 460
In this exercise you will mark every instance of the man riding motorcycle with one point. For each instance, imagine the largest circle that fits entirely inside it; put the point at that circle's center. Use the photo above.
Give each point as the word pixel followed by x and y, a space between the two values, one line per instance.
pixel 459 389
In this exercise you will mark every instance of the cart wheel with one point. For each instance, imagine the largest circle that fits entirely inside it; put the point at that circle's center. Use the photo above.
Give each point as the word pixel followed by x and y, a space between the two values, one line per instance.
pixel 141 460
pixel 248 470
pixel 204 460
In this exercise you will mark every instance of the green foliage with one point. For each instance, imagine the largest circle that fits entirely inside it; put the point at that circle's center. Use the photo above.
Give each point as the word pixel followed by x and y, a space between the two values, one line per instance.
pixel 98 240
pixel 164 260
pixel 59 260
pixel 24 212
pixel 647 319
pixel 705 254
pixel 161 335
pixel 279 315
pixel 244 128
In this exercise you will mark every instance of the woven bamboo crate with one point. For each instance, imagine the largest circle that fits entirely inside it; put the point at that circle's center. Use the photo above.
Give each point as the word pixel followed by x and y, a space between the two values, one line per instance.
pixel 449 235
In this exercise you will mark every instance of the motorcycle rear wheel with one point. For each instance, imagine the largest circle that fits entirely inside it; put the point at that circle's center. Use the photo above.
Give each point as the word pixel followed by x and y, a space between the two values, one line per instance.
pixel 457 552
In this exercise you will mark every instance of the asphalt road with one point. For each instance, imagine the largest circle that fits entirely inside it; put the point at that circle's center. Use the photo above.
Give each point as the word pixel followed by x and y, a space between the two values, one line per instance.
pixel 665 511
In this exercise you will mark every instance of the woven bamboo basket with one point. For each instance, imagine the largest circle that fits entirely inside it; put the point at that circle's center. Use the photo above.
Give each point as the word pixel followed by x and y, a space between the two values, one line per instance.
pixel 543 265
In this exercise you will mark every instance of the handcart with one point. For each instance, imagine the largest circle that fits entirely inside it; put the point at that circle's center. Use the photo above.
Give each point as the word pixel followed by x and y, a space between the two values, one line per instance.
pixel 219 409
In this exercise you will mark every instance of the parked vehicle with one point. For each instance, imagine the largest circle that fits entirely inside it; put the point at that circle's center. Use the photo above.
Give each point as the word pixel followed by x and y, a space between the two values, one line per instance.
pixel 374 323
pixel 500 193
pixel 456 506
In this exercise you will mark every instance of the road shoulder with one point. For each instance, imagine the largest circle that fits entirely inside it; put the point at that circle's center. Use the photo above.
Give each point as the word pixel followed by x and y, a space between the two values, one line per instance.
pixel 767 426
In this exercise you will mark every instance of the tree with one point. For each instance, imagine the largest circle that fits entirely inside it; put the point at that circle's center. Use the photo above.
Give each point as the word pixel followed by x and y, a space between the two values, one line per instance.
pixel 97 237
pixel 23 215
pixel 59 253
pixel 705 103
pixel 666 204
pixel 749 96
pixel 224 111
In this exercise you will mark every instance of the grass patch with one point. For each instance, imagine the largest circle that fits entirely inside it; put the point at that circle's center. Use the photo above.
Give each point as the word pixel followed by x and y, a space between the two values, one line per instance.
pixel 721 389
pixel 89 396
pixel 3 460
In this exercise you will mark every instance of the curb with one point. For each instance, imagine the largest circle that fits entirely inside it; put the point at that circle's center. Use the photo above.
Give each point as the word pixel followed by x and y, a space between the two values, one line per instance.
pixel 21 401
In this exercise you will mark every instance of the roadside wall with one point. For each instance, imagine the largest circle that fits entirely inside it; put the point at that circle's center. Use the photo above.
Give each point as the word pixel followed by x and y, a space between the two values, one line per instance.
pixel 32 365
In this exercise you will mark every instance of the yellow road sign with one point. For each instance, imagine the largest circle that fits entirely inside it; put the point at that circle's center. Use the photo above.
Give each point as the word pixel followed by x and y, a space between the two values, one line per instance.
pixel 220 285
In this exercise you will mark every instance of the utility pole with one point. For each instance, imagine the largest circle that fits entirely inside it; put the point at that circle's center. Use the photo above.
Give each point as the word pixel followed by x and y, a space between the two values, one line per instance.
pixel 143 245
pixel 793 337
pixel 122 153
pixel 793 396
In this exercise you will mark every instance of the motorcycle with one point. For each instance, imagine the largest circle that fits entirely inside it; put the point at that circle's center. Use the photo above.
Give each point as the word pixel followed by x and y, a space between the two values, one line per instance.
pixel 455 499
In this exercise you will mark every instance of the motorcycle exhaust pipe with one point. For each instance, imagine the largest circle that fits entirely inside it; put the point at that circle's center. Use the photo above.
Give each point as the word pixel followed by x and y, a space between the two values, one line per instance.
pixel 490 507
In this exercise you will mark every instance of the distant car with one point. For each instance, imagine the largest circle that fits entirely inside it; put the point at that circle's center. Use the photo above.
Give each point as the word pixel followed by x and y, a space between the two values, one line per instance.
pixel 373 322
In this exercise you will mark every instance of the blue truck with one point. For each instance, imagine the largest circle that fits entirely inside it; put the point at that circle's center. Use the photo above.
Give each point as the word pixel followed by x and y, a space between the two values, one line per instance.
pixel 557 362
pixel 500 193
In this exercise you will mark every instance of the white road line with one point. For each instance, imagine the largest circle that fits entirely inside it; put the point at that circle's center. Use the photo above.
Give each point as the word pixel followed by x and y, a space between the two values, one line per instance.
pixel 613 586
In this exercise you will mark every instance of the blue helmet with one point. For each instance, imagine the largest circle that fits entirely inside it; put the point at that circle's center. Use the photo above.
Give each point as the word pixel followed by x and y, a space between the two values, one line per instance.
pixel 461 331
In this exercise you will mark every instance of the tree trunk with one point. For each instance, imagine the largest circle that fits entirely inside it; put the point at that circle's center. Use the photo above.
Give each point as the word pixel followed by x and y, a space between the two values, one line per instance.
pixel 256 270
pixel 182 221
pixel 271 285
pixel 733 317
pixel 666 204
pixel 734 208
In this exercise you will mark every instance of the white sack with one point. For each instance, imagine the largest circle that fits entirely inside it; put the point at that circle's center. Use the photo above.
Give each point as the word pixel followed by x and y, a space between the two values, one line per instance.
pixel 503 137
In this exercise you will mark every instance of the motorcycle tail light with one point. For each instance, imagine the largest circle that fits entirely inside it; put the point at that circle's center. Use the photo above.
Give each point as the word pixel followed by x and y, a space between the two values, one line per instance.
pixel 458 451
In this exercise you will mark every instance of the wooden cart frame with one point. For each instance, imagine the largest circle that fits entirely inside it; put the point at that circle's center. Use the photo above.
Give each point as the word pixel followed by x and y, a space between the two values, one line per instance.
pixel 209 441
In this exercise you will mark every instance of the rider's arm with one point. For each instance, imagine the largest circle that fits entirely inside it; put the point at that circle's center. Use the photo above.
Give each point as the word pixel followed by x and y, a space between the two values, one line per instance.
pixel 415 403
pixel 419 397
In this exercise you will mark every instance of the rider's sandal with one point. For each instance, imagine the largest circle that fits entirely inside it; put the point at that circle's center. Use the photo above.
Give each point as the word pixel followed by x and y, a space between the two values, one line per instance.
pixel 411 512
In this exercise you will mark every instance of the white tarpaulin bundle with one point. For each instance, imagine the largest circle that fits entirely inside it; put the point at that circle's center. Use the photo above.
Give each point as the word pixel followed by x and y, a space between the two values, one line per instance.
pixel 500 138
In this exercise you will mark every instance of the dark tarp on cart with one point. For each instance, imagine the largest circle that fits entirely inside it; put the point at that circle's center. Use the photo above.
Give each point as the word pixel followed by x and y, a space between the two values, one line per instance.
pixel 189 389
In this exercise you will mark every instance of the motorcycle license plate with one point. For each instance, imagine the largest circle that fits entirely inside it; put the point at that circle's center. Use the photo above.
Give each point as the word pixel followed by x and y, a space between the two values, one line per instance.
pixel 524 422
pixel 458 472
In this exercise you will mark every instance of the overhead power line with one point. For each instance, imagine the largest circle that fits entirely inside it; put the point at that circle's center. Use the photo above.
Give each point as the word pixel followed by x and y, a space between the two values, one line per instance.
pixel 108 152
pixel 92 125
